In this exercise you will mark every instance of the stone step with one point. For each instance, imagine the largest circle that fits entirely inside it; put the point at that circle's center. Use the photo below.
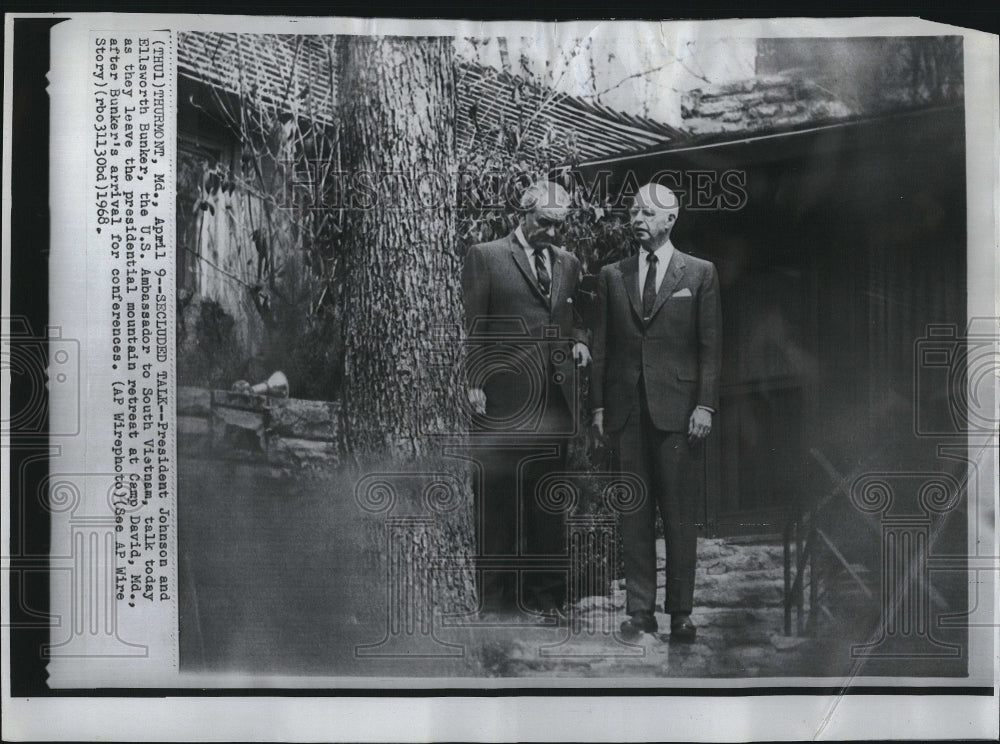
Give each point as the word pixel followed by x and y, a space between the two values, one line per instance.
pixel 711 549
pixel 291 452
pixel 304 419
pixel 193 401
pixel 740 589
pixel 734 574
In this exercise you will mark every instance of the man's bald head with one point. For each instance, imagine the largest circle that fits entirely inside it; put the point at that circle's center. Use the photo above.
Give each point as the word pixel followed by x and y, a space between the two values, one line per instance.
pixel 653 213
pixel 657 195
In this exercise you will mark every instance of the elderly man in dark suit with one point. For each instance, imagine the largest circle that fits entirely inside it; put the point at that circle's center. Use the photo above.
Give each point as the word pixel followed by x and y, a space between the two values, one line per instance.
pixel 525 338
pixel 654 391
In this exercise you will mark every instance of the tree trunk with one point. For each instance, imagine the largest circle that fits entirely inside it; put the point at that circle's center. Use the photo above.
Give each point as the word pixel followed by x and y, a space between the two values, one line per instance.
pixel 401 296
pixel 401 268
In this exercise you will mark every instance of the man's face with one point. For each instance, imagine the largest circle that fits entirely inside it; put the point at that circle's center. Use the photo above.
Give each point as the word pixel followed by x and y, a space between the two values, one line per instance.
pixel 542 224
pixel 650 221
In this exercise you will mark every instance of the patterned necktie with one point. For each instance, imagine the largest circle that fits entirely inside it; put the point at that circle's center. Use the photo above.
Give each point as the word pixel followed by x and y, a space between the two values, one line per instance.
pixel 649 287
pixel 542 273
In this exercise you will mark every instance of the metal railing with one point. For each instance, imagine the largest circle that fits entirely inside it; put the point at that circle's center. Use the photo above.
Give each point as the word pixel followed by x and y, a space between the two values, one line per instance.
pixel 813 561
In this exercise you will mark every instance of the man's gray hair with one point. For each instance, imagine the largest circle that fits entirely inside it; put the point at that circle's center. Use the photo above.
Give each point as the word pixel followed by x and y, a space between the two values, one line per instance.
pixel 545 194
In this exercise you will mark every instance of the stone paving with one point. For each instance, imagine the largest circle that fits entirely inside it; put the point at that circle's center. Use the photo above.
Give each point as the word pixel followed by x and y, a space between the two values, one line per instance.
pixel 276 577
pixel 738 585
pixel 739 613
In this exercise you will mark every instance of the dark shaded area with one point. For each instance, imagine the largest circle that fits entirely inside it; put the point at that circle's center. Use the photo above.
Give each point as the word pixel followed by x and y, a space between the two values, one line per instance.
pixel 29 307
pixel 849 243
pixel 254 278
pixel 845 260
pixel 273 574
pixel 985 19
pixel 282 575
pixel 875 74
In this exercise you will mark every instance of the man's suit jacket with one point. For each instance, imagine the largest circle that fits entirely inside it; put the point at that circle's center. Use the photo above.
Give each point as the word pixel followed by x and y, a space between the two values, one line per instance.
pixel 676 351
pixel 505 310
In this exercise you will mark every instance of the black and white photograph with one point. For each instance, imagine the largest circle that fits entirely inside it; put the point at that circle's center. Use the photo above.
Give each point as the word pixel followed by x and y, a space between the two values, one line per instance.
pixel 403 379
pixel 499 359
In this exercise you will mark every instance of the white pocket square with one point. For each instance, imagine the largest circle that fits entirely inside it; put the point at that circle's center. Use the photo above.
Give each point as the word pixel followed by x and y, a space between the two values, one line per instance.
pixel 682 293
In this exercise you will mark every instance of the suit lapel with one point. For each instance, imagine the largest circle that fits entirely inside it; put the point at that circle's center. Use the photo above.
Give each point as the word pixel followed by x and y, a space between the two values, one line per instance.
pixel 630 275
pixel 517 253
pixel 675 272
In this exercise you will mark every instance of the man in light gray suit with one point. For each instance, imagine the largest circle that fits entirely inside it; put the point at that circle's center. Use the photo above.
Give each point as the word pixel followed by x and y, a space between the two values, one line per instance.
pixel 654 391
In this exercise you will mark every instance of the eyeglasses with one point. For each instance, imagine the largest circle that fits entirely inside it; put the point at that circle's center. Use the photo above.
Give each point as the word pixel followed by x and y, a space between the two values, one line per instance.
pixel 548 222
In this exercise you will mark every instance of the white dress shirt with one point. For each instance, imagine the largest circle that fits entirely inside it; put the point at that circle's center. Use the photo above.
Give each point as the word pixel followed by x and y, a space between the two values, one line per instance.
pixel 530 253
pixel 663 255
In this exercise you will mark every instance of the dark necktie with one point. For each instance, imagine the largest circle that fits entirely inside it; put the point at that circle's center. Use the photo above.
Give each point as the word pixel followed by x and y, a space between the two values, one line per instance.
pixel 544 280
pixel 649 287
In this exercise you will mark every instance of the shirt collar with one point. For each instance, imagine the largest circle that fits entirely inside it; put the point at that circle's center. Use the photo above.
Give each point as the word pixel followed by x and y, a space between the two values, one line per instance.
pixel 664 253
pixel 524 242
pixel 521 239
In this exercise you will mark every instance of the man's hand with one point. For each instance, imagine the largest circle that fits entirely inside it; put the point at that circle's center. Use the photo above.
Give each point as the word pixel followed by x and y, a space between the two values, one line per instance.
pixel 581 354
pixel 478 400
pixel 599 421
pixel 700 424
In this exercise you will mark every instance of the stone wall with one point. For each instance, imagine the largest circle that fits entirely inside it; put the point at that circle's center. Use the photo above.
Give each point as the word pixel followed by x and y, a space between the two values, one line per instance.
pixel 283 432
pixel 757 104
pixel 822 81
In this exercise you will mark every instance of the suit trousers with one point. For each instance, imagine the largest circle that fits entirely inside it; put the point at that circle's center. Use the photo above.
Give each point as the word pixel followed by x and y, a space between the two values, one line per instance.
pixel 522 540
pixel 669 467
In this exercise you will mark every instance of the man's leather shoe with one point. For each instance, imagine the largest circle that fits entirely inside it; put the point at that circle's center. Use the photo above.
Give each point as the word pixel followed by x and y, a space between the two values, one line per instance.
pixel 682 629
pixel 638 624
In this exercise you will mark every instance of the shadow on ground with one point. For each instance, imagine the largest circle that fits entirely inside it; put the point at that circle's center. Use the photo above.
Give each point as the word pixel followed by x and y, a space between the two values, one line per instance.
pixel 278 577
